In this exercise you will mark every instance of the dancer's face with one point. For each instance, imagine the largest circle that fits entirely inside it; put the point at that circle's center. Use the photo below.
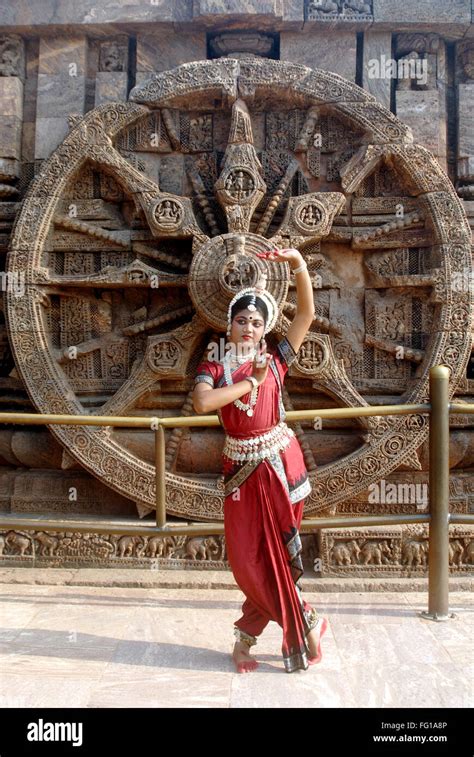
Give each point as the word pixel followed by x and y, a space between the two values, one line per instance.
pixel 247 329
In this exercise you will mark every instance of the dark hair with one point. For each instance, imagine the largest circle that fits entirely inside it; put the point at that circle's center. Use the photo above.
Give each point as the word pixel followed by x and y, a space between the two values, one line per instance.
pixel 243 304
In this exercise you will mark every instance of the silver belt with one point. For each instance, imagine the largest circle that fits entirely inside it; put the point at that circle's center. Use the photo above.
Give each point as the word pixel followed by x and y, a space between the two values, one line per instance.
pixel 258 447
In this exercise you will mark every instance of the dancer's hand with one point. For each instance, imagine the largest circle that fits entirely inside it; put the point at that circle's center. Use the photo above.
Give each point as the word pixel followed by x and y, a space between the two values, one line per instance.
pixel 291 256
pixel 261 362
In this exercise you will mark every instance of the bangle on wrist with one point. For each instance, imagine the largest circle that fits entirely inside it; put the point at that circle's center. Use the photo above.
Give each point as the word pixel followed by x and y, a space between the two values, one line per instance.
pixel 252 380
pixel 300 268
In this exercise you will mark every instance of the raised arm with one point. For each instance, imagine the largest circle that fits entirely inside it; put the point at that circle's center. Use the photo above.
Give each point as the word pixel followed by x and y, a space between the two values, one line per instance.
pixel 304 315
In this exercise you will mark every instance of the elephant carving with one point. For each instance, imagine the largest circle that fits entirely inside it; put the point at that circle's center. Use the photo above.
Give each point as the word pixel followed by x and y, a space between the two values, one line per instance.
pixel 47 543
pixel 160 546
pixel 202 548
pixel 375 553
pixel 127 546
pixel 414 553
pixel 346 553
pixel 469 554
pixel 456 552
pixel 18 543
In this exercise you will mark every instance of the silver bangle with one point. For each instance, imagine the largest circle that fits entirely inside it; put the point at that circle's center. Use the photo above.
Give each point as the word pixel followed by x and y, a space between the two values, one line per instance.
pixel 300 268
pixel 252 380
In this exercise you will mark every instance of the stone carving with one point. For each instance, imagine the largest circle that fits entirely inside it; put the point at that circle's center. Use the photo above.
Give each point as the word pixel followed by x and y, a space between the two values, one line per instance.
pixel 75 547
pixel 343 10
pixel 379 551
pixel 168 215
pixel 113 55
pixel 394 551
pixel 416 61
pixel 93 323
pixel 12 56
pixel 235 45
pixel 466 59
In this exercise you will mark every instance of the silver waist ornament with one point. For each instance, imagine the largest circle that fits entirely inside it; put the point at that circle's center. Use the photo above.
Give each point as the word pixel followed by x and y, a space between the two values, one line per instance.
pixel 258 447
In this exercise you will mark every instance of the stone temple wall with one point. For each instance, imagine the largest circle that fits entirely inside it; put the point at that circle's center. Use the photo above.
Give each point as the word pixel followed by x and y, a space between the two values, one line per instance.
pixel 343 128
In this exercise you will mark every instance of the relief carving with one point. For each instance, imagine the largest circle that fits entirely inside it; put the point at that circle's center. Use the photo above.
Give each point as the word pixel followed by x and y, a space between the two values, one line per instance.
pixel 174 193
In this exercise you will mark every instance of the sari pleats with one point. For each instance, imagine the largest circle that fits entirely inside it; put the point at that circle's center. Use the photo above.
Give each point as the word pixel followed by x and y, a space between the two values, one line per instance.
pixel 264 551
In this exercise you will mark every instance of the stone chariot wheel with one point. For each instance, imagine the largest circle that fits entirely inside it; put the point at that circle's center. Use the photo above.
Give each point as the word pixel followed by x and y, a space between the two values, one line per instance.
pixel 147 219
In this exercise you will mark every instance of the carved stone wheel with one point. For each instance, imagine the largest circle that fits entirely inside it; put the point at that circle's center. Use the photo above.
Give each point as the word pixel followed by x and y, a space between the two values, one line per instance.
pixel 145 221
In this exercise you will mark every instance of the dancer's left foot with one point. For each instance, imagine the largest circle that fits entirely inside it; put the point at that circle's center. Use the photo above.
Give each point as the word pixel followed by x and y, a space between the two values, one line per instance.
pixel 243 661
pixel 314 640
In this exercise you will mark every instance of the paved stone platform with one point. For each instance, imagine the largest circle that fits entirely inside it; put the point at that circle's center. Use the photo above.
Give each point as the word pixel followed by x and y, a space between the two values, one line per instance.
pixel 211 579
pixel 70 645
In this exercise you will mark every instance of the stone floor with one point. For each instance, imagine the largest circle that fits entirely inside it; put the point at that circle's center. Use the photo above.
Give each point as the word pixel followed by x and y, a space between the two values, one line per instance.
pixel 116 646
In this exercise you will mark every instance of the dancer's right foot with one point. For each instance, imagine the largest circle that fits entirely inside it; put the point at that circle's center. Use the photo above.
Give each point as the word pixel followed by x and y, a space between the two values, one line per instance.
pixel 244 662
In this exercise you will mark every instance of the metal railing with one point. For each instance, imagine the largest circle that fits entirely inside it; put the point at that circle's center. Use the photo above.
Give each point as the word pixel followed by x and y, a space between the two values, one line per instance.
pixel 438 517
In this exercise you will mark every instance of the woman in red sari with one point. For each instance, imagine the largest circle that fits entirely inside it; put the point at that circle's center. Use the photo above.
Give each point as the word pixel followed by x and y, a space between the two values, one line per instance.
pixel 265 477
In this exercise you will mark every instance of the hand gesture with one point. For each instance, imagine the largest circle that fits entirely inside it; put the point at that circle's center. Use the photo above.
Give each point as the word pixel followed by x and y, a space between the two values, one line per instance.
pixel 289 255
pixel 261 362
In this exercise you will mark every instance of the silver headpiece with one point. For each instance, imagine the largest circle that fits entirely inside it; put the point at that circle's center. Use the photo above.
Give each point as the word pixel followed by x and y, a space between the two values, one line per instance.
pixel 264 295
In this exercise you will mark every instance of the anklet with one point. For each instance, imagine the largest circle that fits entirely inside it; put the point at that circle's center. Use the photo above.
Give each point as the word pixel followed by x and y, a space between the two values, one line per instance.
pixel 245 637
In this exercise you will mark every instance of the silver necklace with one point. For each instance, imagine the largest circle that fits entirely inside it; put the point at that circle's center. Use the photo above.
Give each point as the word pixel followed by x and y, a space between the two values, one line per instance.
pixel 241 359
pixel 246 407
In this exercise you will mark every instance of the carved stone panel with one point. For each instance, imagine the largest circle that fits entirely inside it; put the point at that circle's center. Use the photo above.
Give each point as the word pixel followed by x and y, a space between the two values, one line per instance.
pixel 149 216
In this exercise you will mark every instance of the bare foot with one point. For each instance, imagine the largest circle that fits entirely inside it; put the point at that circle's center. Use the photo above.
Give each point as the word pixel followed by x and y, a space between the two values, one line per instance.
pixel 244 662
pixel 314 638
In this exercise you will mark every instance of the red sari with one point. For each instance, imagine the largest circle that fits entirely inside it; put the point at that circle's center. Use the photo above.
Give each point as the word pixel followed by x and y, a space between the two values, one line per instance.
pixel 263 508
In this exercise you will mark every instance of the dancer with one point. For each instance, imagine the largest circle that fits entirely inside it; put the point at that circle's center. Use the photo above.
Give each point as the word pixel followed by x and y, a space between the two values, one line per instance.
pixel 265 478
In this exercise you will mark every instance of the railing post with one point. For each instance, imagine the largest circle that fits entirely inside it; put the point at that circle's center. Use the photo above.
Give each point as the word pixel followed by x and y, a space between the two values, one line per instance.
pixel 160 476
pixel 438 557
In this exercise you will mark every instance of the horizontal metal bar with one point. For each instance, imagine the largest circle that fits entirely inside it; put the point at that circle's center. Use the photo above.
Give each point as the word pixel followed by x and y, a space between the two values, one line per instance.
pixel 183 529
pixel 457 407
pixel 203 420
pixel 38 419
pixel 77 527
pixel 357 412
pixel 397 519
pixel 461 517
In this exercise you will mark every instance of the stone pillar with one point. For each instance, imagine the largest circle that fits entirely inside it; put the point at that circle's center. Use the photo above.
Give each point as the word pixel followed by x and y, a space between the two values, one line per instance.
pixel 29 109
pixel 465 137
pixel 12 74
pixel 61 89
pixel 419 96
pixel 377 50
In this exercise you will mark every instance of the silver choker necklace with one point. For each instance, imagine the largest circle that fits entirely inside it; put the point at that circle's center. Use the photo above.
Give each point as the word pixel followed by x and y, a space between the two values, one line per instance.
pixel 241 359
